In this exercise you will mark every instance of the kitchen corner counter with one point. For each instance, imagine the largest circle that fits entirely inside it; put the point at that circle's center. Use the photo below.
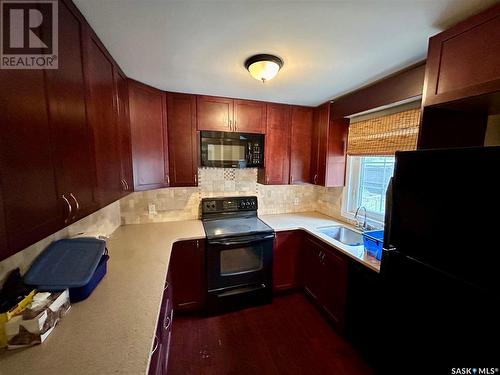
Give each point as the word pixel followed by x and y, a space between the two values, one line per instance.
pixel 309 222
pixel 112 331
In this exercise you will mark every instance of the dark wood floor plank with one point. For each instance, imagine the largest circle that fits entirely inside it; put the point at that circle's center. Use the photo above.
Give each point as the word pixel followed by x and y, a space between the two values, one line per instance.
pixel 287 337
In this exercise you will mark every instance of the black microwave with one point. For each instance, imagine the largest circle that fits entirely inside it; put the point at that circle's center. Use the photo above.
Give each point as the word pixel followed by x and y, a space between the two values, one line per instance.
pixel 231 150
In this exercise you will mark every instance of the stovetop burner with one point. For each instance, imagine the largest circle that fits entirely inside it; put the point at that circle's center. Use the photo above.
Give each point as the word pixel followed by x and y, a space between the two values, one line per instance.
pixel 232 216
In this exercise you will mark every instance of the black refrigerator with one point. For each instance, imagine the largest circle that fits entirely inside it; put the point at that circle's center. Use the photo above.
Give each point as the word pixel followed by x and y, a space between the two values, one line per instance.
pixel 440 268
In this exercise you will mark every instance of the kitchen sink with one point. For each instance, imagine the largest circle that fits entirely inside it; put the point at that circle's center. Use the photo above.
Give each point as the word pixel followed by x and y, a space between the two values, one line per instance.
pixel 343 234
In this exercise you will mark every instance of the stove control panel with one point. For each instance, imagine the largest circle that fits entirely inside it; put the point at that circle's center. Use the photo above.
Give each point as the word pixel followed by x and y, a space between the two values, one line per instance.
pixel 228 204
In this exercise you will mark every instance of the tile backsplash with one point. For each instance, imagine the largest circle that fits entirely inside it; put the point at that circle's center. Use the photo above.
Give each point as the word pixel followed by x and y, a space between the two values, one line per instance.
pixel 171 204
pixel 105 221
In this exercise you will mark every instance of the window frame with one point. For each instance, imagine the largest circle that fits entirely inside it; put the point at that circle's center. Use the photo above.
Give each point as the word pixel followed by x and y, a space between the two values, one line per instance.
pixel 351 192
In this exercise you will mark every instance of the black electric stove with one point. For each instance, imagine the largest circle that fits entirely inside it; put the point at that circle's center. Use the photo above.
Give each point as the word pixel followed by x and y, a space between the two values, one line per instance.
pixel 239 253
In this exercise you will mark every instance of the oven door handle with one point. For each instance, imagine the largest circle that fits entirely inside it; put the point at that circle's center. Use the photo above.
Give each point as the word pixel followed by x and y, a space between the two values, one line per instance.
pixel 242 241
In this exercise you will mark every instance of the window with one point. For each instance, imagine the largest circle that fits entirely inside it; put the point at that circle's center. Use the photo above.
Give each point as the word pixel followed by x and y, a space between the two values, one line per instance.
pixel 367 180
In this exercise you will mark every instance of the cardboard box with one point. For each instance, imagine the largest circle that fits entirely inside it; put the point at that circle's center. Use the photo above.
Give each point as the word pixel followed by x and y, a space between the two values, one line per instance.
pixel 33 326
pixel 6 316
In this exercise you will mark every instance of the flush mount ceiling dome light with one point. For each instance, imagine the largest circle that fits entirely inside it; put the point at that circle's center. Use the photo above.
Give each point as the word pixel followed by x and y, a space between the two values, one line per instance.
pixel 263 67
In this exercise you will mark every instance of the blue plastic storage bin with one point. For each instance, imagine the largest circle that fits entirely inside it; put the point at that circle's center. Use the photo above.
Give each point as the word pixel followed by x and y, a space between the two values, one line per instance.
pixel 373 241
pixel 77 264
pixel 81 293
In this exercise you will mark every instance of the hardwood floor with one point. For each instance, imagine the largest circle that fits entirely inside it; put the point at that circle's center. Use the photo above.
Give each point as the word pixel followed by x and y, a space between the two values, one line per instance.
pixel 289 336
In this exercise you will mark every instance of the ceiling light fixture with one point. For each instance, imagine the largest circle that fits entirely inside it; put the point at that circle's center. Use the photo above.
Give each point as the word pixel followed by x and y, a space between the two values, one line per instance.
pixel 263 67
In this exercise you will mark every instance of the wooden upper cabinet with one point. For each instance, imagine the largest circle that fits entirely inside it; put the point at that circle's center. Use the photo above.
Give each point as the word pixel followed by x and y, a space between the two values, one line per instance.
pixel 249 116
pixel 214 113
pixel 336 156
pixel 321 119
pixel 301 144
pixel 68 119
pixel 103 120
pixel 329 148
pixel 464 61
pixel 182 139
pixel 148 121
pixel 123 120
pixel 277 147
pixel 32 206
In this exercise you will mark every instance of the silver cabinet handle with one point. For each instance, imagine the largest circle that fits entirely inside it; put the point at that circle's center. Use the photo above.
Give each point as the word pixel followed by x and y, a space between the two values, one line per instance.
pixel 167 322
pixel 77 204
pixel 235 125
pixel 168 180
pixel 123 184
pixel 70 209
pixel 126 185
pixel 230 125
pixel 155 345
pixel 315 179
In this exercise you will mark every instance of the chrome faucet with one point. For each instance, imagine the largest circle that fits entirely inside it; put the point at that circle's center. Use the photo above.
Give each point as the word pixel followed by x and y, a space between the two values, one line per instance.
pixel 358 225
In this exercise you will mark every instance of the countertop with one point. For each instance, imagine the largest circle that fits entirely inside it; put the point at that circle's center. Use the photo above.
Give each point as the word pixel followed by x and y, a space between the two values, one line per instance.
pixel 112 332
pixel 309 222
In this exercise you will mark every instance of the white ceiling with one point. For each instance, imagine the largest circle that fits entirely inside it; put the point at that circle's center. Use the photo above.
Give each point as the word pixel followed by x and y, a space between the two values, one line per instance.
pixel 329 47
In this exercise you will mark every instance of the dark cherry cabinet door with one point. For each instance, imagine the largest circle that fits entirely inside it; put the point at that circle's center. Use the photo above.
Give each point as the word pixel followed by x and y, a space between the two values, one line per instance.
pixel 249 116
pixel 312 269
pixel 123 121
pixel 329 147
pixel 68 119
pixel 182 139
pixel 326 276
pixel 319 147
pixel 32 205
pixel 214 113
pixel 187 266
pixel 301 144
pixel 336 152
pixel 464 61
pixel 277 147
pixel 3 231
pixel 334 293
pixel 148 123
pixel 287 260
pixel 103 122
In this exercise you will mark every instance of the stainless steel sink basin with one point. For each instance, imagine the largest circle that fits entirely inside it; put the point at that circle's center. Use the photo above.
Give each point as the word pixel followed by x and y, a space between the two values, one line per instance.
pixel 343 234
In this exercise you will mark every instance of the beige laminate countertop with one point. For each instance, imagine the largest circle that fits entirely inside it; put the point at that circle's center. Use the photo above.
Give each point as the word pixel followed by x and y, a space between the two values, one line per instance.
pixel 309 222
pixel 112 331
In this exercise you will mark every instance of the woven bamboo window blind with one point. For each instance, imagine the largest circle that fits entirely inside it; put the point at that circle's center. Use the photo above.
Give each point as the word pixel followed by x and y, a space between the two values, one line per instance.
pixel 384 135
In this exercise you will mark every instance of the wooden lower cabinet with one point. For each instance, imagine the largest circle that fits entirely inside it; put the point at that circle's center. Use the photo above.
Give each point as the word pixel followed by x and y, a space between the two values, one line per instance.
pixel 187 265
pixel 161 345
pixel 287 272
pixel 325 279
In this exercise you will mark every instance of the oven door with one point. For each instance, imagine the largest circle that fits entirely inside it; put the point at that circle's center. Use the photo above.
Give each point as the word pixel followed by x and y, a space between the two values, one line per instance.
pixel 239 261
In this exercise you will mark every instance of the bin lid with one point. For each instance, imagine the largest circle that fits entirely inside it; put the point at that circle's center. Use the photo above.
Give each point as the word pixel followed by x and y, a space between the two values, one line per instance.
pixel 69 262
